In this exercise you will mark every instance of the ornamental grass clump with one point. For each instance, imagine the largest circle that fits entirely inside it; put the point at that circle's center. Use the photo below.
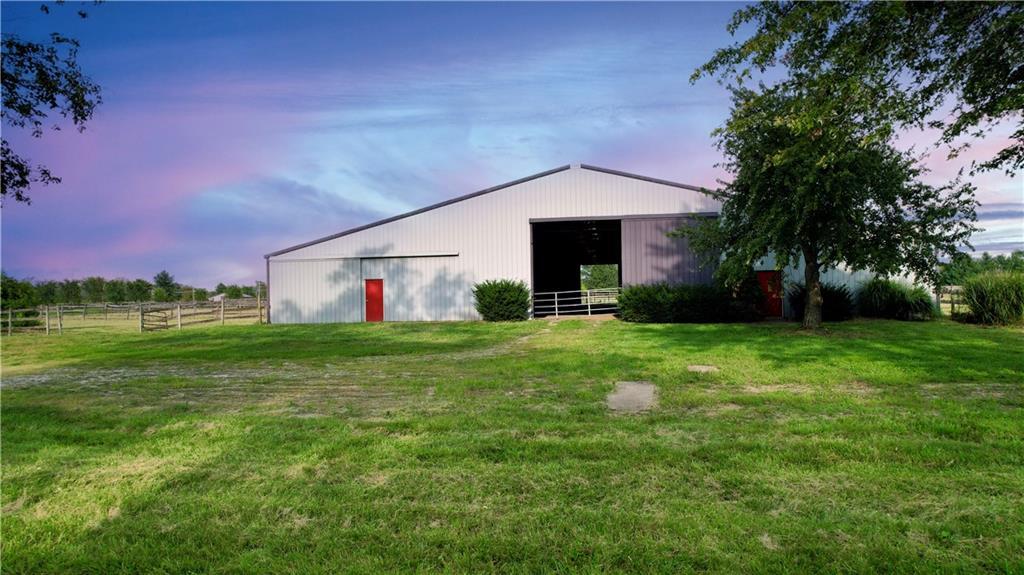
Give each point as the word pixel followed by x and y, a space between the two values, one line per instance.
pixel 888 299
pixel 995 298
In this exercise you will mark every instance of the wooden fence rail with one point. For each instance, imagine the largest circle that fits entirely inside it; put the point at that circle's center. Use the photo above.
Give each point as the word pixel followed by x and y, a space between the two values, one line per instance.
pixel 148 316
pixel 950 298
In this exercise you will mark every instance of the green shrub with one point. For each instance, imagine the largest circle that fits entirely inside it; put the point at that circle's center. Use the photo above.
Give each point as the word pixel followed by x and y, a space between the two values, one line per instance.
pixel 664 303
pixel 995 298
pixel 646 303
pixel 502 300
pixel 890 299
pixel 837 302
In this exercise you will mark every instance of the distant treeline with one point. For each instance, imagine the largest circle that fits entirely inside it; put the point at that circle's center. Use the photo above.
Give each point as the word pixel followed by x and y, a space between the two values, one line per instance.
pixel 963 267
pixel 15 293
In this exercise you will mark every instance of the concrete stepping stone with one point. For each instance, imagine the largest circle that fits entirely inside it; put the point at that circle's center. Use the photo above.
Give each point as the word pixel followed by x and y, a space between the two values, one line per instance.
pixel 632 397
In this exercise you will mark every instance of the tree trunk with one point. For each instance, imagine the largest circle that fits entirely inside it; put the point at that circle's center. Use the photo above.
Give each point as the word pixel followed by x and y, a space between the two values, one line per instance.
pixel 812 280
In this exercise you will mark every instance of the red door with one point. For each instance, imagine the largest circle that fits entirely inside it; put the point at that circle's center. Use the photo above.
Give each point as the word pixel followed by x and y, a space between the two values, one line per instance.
pixel 771 285
pixel 374 300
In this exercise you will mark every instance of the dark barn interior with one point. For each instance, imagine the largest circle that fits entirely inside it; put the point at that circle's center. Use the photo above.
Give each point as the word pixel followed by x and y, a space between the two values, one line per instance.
pixel 560 248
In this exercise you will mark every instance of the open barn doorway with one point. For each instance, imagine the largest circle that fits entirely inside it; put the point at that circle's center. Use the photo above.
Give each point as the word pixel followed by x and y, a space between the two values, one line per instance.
pixel 563 252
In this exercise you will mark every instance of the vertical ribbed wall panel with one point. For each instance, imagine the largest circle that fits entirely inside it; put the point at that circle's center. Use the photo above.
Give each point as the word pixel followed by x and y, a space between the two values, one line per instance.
pixel 650 256
pixel 318 291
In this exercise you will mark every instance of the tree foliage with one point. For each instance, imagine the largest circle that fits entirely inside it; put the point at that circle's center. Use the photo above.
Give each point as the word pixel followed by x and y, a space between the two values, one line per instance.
pixel 955 66
pixel 40 79
pixel 94 289
pixel 16 294
pixel 961 267
pixel 115 291
pixel 810 184
pixel 70 291
pixel 139 290
pixel 169 289
pixel 599 276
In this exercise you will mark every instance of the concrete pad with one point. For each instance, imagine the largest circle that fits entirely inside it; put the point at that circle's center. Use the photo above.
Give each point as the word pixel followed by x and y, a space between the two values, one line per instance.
pixel 702 368
pixel 632 397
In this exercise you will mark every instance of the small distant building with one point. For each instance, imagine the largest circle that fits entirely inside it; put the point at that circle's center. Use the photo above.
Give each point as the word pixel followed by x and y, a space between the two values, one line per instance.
pixel 217 298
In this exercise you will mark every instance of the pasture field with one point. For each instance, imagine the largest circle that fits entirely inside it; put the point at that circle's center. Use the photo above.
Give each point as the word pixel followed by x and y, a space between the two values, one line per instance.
pixel 469 447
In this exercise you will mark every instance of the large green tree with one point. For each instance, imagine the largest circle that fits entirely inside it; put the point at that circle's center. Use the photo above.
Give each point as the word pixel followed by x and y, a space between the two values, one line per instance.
pixel 811 185
pixel 93 289
pixel 169 289
pixel 138 290
pixel 956 66
pixel 16 294
pixel 115 291
pixel 40 79
pixel 70 291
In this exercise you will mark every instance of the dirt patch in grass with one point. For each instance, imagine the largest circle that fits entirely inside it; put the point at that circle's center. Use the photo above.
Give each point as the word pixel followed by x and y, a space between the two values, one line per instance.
pixel 702 368
pixel 721 408
pixel 15 505
pixel 779 387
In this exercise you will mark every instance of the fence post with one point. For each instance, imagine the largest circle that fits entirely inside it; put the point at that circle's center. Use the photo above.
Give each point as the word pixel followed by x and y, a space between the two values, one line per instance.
pixel 104 311
pixel 47 313
pixel 179 316
pixel 259 306
pixel 10 321
pixel 556 304
pixel 127 311
pixel 141 322
pixel 222 311
pixel 60 319
pixel 588 302
pixel 85 306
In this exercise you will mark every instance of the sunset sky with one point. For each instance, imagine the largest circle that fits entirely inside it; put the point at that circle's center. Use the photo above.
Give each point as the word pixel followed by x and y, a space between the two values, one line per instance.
pixel 230 130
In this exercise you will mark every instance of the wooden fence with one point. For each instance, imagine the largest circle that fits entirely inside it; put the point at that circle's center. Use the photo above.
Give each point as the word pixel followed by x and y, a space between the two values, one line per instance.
pixel 151 316
pixel 179 315
pixel 950 300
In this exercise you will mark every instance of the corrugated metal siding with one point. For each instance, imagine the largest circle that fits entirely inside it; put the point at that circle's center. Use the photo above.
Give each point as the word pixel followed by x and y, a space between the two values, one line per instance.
pixel 422 289
pixel 650 256
pixel 321 291
pixel 490 234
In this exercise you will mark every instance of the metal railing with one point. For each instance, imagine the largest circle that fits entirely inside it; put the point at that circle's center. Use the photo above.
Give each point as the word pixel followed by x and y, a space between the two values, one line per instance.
pixel 576 302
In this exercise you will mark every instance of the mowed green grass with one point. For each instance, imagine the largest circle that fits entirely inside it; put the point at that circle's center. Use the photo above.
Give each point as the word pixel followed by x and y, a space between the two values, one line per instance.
pixel 871 446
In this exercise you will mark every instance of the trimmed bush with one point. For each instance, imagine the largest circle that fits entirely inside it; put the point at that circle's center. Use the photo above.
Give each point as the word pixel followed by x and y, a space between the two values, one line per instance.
pixel 837 302
pixel 664 303
pixel 995 298
pixel 888 299
pixel 502 300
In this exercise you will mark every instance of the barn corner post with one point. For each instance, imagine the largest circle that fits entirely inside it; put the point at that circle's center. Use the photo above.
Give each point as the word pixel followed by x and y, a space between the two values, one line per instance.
pixel 267 283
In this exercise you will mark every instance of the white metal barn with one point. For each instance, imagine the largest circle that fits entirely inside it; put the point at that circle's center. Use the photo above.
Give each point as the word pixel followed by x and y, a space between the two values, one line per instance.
pixel 421 266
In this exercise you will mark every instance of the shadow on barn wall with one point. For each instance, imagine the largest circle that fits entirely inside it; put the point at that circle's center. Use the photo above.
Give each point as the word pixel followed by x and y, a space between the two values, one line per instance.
pixel 432 293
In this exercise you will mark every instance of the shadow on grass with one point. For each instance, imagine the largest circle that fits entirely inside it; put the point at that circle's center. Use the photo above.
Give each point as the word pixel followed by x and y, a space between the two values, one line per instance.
pixel 267 344
pixel 938 351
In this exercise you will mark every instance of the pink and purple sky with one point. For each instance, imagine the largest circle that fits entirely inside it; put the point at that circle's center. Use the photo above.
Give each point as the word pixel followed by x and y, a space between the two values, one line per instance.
pixel 229 130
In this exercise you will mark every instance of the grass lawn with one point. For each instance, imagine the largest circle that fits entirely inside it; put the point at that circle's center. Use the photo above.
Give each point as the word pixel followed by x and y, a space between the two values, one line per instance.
pixel 469 447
